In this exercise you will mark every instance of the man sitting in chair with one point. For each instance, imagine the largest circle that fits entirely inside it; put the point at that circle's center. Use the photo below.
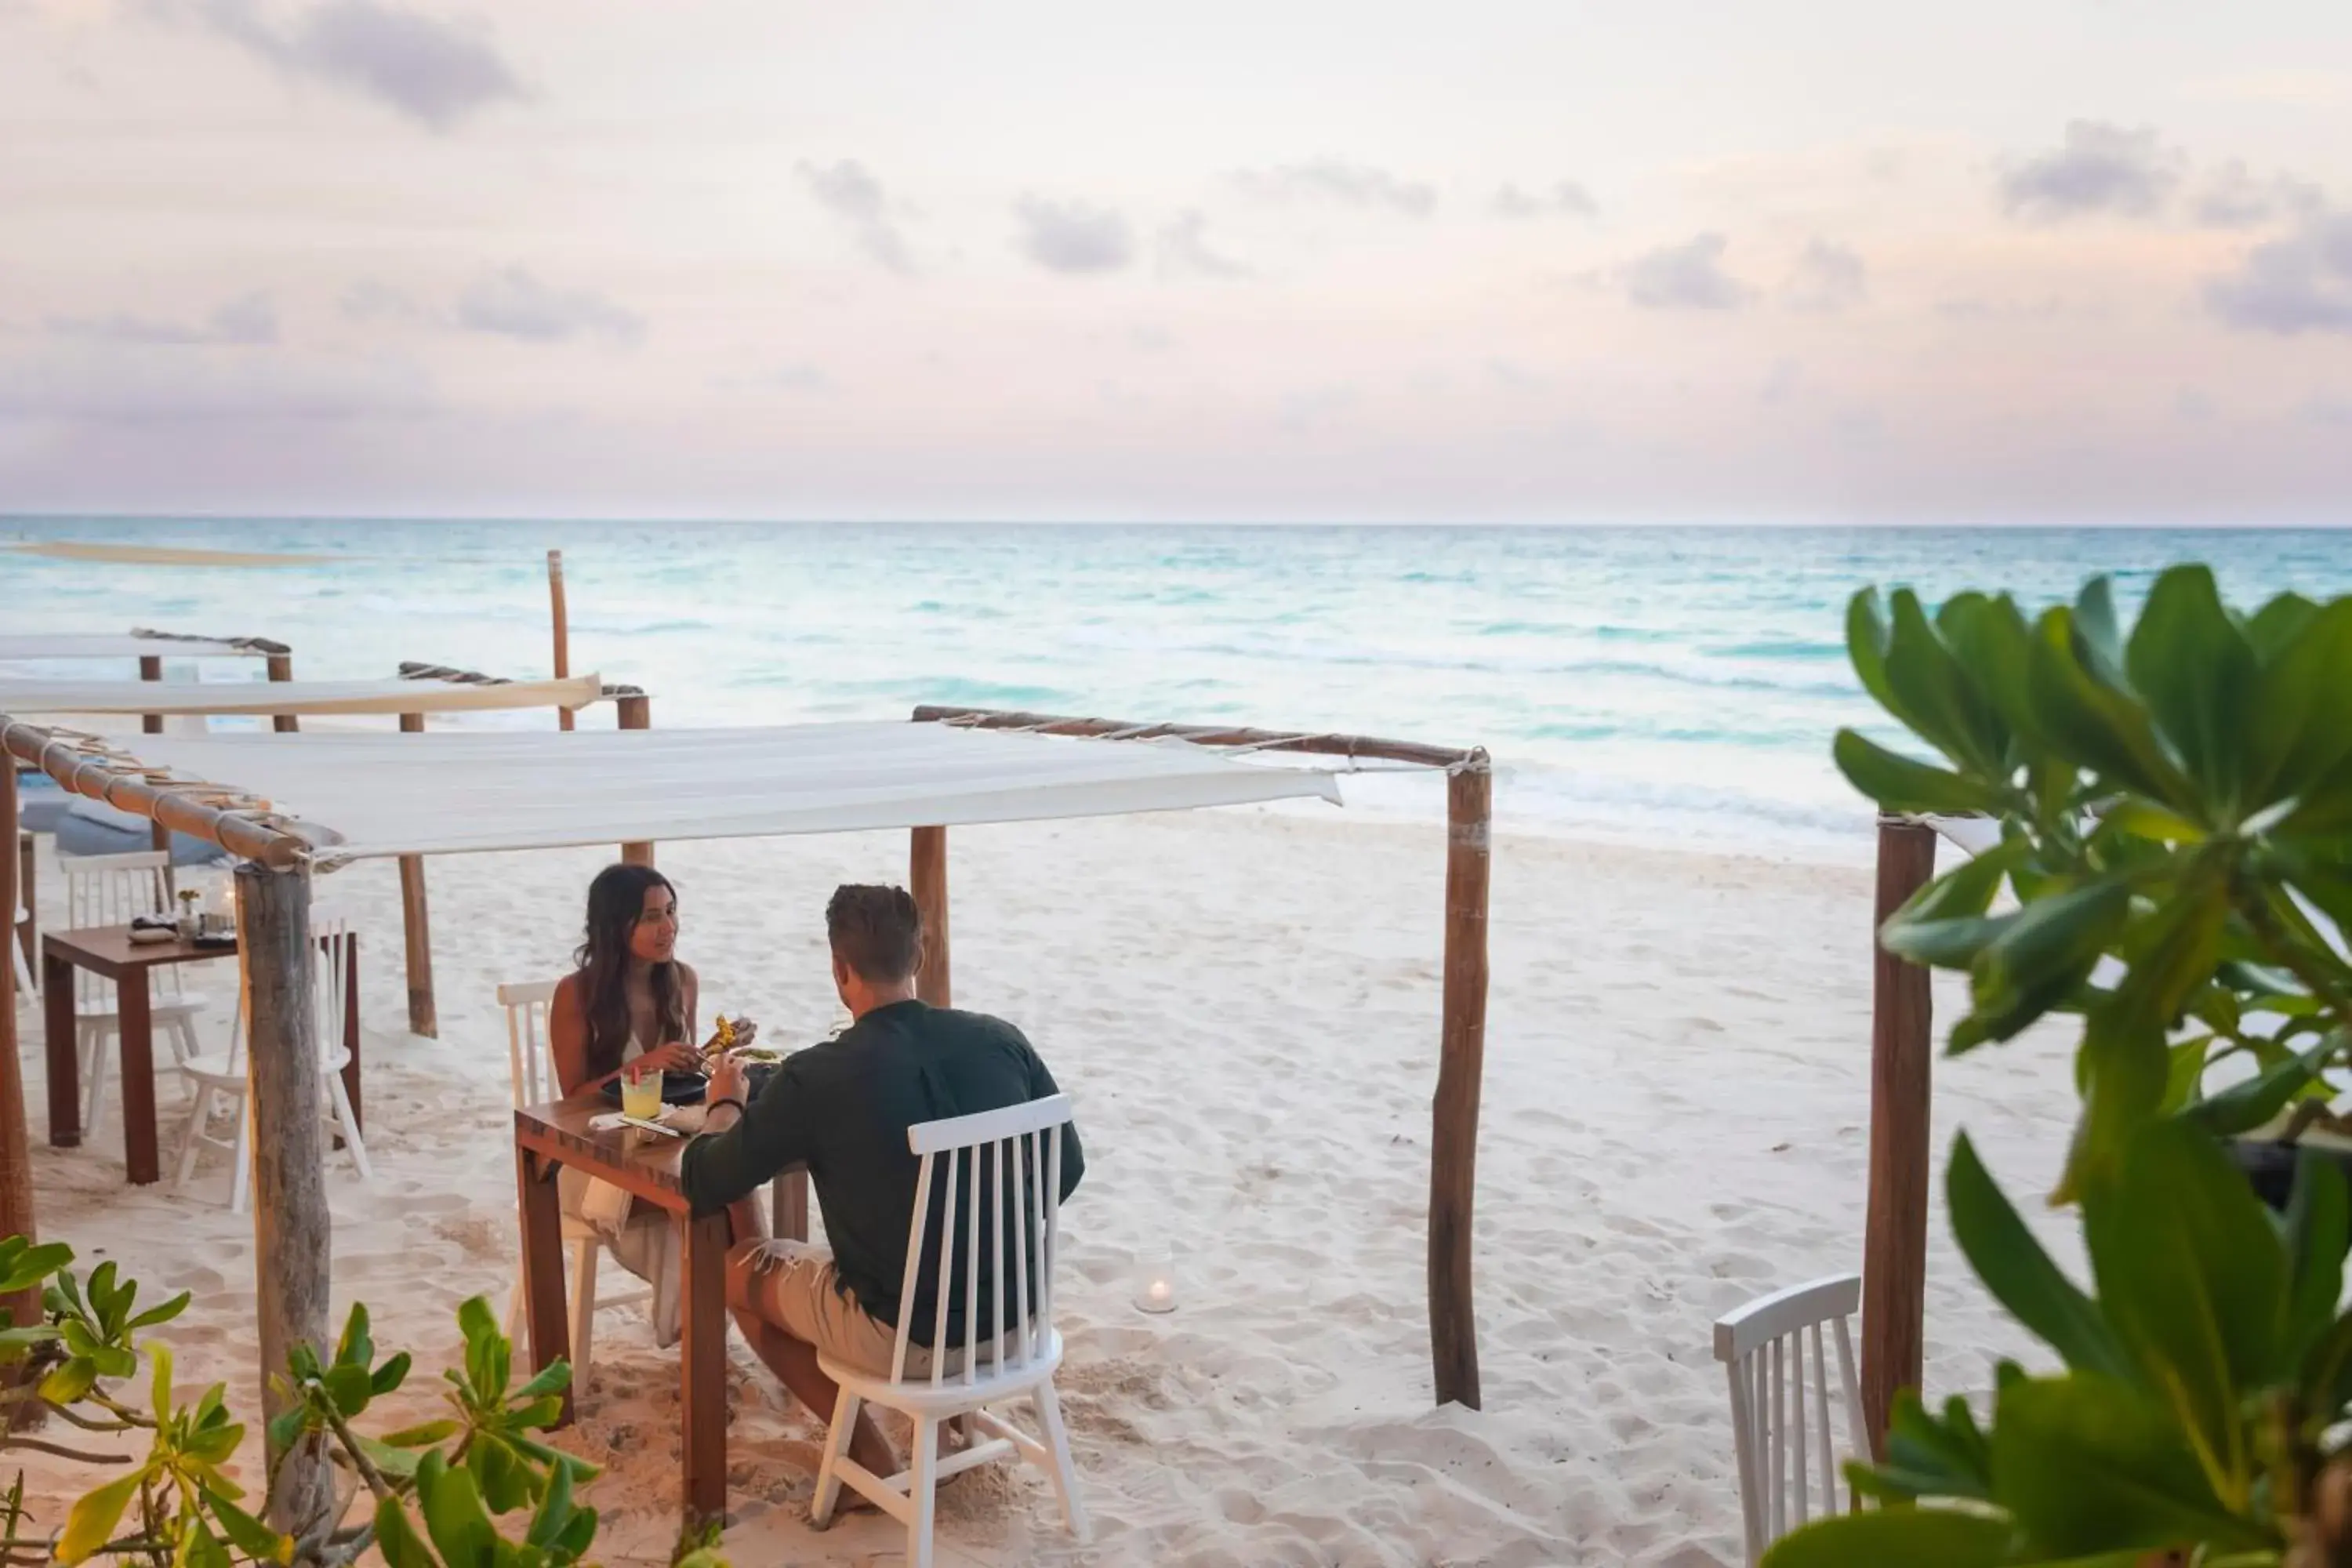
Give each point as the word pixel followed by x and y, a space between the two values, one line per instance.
pixel 844 1108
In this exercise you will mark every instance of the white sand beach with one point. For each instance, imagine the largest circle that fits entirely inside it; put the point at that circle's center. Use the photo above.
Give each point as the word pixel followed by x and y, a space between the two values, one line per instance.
pixel 1244 1005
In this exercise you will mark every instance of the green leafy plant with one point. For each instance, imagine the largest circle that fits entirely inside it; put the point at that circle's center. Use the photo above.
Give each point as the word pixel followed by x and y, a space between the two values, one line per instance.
pixel 2175 802
pixel 436 1490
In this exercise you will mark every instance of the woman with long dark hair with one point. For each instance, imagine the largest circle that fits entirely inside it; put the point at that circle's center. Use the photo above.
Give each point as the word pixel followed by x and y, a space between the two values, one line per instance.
pixel 627 1009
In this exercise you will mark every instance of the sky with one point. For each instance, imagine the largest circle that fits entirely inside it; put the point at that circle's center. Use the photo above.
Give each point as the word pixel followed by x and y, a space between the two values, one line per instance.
pixel 2066 261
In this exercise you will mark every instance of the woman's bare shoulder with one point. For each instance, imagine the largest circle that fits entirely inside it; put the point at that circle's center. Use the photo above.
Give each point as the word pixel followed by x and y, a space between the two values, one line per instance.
pixel 687 978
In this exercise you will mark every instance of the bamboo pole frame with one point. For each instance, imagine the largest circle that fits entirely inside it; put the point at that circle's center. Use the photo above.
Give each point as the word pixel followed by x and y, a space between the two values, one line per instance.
pixel 416 927
pixel 1901 1059
pixel 562 626
pixel 1453 1112
pixel 415 911
pixel 636 713
pixel 17 1217
pixel 926 882
pixel 292 1228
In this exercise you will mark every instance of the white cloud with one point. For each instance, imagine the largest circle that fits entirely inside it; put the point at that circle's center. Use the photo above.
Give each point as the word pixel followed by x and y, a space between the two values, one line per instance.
pixel 1565 199
pixel 1828 278
pixel 246 321
pixel 1185 252
pixel 850 191
pixel 513 303
pixel 2098 168
pixel 1349 184
pixel 2300 282
pixel 1072 236
pixel 1686 276
pixel 438 73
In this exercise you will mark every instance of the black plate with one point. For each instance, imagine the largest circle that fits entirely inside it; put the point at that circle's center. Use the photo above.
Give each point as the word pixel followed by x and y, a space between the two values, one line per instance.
pixel 677 1089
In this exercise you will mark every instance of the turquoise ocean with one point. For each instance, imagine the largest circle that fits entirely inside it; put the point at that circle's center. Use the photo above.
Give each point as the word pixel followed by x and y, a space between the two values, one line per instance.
pixel 1662 686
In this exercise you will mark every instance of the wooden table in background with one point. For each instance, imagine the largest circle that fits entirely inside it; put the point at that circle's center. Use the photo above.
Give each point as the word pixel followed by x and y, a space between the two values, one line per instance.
pixel 644 1164
pixel 109 952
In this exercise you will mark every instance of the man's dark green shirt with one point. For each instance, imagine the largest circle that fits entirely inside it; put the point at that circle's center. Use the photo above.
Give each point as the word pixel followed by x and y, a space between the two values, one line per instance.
pixel 842 1108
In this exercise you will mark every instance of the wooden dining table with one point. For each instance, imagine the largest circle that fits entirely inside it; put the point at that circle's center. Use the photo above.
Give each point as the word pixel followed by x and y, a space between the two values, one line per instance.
pixel 646 1166
pixel 109 952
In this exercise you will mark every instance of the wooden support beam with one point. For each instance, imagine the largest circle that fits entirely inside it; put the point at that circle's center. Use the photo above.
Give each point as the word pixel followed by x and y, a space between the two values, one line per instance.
pixel 562 627
pixel 416 927
pixel 1364 747
pixel 293 1233
pixel 98 778
pixel 280 667
pixel 1894 1237
pixel 1461 1068
pixel 16 1138
pixel 634 712
pixel 158 835
pixel 926 880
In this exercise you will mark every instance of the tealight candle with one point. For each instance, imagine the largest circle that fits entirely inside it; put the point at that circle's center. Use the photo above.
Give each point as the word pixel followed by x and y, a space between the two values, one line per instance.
pixel 1156 1284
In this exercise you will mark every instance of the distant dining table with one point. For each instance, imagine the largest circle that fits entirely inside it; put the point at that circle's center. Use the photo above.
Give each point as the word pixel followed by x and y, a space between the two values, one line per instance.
pixel 646 1166
pixel 109 953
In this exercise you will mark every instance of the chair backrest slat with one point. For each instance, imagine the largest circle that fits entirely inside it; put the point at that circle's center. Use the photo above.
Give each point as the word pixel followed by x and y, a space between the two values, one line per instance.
pixel 113 891
pixel 1787 1453
pixel 531 1060
pixel 964 1160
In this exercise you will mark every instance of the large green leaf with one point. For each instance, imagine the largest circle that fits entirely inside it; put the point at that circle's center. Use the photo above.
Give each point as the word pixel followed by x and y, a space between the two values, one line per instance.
pixel 1913 1537
pixel 2020 1275
pixel 2300 728
pixel 2087 1465
pixel 1899 783
pixel 1867 636
pixel 1993 642
pixel 1946 708
pixel 2318 1227
pixel 2100 726
pixel 2173 950
pixel 2196 671
pixel 2043 955
pixel 397 1540
pixel 1927 1457
pixel 2248 1103
pixel 91 1522
pixel 2194 1281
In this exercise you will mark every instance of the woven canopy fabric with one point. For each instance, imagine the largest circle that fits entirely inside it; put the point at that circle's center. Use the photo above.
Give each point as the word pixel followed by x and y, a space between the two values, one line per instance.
pixel 83 644
pixel 319 697
pixel 448 792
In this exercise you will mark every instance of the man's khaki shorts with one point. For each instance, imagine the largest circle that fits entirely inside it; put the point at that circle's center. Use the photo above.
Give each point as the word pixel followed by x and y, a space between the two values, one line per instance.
pixel 793 1285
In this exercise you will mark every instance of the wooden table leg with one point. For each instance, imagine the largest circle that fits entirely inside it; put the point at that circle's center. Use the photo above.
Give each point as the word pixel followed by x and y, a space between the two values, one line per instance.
pixel 63 1047
pixel 351 1027
pixel 546 1320
pixel 788 1206
pixel 135 1033
pixel 702 1375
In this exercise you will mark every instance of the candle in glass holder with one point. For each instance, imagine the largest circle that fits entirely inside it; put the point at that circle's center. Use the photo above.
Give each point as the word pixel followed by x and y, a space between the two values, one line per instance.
pixel 1156 1280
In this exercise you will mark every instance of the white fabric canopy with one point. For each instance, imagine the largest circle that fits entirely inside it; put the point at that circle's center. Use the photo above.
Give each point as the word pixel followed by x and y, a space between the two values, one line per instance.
pixel 82 644
pixel 322 697
pixel 452 791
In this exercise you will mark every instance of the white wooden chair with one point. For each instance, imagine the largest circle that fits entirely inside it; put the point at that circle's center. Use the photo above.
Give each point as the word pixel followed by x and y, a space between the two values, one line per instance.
pixel 535 1083
pixel 220 1080
pixel 25 986
pixel 1022 1143
pixel 1762 1347
pixel 111 891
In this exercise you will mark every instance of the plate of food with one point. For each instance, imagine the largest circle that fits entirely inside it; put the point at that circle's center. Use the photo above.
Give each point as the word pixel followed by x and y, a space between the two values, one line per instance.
pixel 677 1089
pixel 759 1065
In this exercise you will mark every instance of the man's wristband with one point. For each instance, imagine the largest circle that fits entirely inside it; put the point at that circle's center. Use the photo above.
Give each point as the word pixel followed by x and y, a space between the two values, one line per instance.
pixel 729 1099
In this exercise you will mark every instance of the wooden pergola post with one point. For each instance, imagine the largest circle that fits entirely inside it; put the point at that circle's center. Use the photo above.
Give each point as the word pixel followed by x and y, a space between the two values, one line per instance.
pixel 158 835
pixel 562 628
pixel 1460 1068
pixel 634 712
pixel 293 1232
pixel 16 1139
pixel 280 667
pixel 926 882
pixel 1894 1236
pixel 416 927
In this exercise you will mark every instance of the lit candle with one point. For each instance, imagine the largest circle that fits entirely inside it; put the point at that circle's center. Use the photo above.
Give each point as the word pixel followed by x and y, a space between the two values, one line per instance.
pixel 1157 1281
